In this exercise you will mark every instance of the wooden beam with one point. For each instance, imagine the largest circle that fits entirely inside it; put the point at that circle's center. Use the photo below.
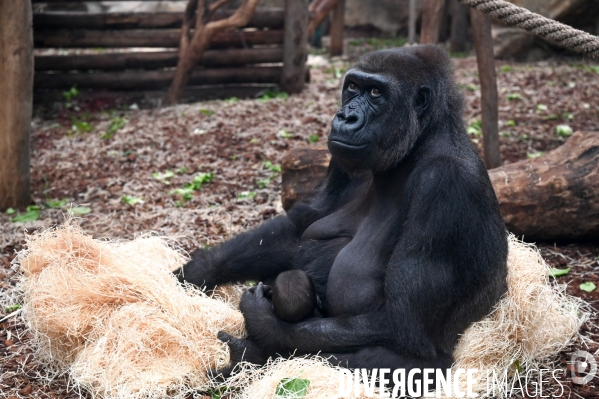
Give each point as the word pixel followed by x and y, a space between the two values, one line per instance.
pixel 483 47
pixel 16 72
pixel 432 19
pixel 295 47
pixel 80 38
pixel 337 29
pixel 147 80
pixel 155 59
pixel 271 18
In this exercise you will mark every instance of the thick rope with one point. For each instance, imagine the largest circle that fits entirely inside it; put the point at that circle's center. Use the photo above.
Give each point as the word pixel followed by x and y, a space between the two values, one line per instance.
pixel 564 35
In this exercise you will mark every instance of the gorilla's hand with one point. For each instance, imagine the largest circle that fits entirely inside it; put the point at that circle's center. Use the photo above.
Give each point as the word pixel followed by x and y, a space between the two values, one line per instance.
pixel 261 321
pixel 199 270
pixel 241 350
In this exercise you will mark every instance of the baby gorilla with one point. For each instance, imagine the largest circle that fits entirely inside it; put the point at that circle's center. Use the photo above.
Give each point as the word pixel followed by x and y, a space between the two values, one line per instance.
pixel 293 296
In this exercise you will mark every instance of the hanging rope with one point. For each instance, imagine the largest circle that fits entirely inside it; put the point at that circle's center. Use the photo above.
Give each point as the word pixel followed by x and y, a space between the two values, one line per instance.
pixel 564 35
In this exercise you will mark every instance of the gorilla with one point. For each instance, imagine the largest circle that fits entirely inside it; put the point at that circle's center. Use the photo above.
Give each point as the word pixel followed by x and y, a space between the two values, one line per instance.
pixel 293 296
pixel 403 242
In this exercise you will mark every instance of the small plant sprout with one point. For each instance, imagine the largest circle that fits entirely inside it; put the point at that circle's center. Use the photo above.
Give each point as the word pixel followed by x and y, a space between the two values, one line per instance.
pixel 588 286
pixel 164 177
pixel 32 214
pixel 510 123
pixel 534 154
pixel 314 138
pixel 69 95
pixel 207 112
pixel 567 116
pixel 246 195
pixel 563 130
pixel 553 272
pixel 275 168
pixel 10 211
pixel 475 128
pixel 132 201
pixel 514 97
pixel 270 94
pixel 284 134
pixel 254 141
pixel 263 182
pixel 115 125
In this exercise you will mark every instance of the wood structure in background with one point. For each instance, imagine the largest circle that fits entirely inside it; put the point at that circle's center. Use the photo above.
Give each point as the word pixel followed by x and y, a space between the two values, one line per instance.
pixel 319 10
pixel 433 13
pixel 193 44
pixel 540 199
pixel 483 46
pixel 145 53
pixel 16 81
pixel 412 22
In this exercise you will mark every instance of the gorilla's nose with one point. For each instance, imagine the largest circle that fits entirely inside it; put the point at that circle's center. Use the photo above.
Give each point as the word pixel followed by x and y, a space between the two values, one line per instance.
pixel 348 120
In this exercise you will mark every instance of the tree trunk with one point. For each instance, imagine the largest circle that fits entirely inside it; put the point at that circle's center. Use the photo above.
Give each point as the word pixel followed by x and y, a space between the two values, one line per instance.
pixel 192 47
pixel 553 197
pixel 337 29
pixel 483 46
pixel 318 10
pixel 295 47
pixel 432 19
pixel 16 88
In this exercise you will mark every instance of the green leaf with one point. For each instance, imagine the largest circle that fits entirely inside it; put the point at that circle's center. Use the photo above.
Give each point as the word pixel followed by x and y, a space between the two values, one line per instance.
pixel 511 123
pixel 284 134
pixel 269 94
pixel 563 130
pixel 553 272
pixel 505 68
pixel 115 125
pixel 10 211
pixel 475 128
pixel 32 214
pixel 263 182
pixel 246 194
pixel 514 96
pixel 81 126
pixel 292 388
pixel 517 365
pixel 541 108
pixel 186 192
pixel 588 286
pixel 231 100
pixel 12 308
pixel 200 179
pixel 271 166
pixel 56 203
pixel 81 210
pixel 181 170
pixel 207 112
pixel 130 200
pixel 313 138
pixel 533 155
pixel 164 176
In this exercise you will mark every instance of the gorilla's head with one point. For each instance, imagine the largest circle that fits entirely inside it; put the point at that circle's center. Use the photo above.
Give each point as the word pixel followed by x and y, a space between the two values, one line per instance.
pixel 390 100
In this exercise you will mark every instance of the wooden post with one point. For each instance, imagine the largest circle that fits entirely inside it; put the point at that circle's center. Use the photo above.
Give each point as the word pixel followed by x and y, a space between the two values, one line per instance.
pixel 459 27
pixel 295 51
pixel 16 88
pixel 483 46
pixel 337 29
pixel 412 22
pixel 432 18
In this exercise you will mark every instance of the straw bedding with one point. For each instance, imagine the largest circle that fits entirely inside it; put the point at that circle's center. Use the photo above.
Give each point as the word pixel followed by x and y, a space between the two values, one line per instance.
pixel 112 316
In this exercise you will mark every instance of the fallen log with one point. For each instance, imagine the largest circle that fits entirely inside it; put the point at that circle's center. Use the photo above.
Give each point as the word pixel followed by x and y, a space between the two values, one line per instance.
pixel 271 18
pixel 72 38
pixel 553 197
pixel 155 59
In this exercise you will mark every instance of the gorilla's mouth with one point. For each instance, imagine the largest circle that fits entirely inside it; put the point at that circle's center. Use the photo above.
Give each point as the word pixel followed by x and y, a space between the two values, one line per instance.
pixel 349 146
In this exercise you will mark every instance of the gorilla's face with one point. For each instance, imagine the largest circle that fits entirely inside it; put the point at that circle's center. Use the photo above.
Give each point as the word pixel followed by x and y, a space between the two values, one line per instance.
pixel 380 116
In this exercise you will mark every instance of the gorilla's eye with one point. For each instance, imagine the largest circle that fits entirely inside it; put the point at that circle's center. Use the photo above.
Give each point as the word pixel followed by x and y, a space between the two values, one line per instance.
pixel 352 87
pixel 374 92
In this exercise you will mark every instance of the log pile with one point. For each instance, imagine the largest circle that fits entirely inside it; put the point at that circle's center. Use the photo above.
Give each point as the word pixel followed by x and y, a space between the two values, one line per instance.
pixel 552 197
pixel 249 57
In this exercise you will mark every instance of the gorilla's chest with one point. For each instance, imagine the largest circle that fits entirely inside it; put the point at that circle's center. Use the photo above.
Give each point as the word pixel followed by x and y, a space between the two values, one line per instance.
pixel 356 268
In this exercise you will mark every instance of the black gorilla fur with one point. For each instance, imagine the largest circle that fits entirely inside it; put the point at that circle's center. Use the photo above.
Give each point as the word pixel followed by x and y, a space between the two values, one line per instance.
pixel 404 241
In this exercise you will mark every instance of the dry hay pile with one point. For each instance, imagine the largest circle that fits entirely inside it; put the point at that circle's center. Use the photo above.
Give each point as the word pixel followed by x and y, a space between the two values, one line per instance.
pixel 113 316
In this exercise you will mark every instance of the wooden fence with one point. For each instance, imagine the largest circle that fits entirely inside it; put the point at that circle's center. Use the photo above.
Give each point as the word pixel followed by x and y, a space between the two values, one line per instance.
pixel 137 51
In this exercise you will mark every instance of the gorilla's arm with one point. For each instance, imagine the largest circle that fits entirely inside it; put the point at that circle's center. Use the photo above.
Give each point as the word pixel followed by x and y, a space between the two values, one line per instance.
pixel 257 254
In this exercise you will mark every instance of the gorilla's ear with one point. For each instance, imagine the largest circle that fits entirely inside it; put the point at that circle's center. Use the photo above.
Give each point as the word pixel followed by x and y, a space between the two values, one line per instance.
pixel 422 99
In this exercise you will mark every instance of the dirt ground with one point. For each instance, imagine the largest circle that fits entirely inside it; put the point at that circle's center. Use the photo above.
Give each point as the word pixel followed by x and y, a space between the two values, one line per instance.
pixel 112 163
